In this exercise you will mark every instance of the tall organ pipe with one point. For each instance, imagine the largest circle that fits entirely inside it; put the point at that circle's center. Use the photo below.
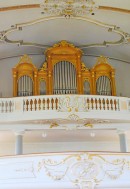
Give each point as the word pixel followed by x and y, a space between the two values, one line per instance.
pixel 64 78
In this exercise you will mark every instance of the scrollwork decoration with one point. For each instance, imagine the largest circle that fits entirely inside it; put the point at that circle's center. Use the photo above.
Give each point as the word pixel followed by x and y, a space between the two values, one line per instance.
pixel 84 170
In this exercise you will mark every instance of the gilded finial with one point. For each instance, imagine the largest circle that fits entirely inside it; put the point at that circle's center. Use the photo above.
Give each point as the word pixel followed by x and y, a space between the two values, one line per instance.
pixel 102 59
pixel 44 67
pixel 25 59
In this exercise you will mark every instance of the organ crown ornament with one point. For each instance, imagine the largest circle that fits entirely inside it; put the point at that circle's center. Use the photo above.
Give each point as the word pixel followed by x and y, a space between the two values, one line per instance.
pixel 102 59
pixel 25 58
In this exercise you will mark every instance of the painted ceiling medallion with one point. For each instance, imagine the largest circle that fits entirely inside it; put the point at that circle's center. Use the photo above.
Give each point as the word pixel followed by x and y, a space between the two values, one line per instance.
pixel 68 8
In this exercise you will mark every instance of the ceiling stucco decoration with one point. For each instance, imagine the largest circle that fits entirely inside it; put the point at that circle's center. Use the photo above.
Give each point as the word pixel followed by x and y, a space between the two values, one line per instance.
pixel 68 8
pixel 124 37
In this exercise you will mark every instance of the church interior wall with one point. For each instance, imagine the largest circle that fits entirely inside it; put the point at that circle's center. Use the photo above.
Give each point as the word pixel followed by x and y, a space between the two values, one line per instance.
pixel 42 147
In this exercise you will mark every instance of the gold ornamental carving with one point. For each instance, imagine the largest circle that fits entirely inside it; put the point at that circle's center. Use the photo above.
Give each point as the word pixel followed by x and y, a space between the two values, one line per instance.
pixel 85 170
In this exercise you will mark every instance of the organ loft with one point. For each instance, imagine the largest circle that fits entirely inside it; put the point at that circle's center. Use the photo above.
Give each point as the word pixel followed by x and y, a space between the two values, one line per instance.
pixel 63 72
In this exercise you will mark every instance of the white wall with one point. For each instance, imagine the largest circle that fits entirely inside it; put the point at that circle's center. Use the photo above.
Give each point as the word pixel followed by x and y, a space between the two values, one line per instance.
pixel 111 146
pixel 6 65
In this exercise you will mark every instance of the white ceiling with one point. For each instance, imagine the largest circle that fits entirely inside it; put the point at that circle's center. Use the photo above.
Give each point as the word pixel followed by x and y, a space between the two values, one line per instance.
pixel 78 32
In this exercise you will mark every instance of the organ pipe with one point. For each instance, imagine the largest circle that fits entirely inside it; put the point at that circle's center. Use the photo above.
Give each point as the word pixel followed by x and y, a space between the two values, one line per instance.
pixel 64 78
pixel 25 86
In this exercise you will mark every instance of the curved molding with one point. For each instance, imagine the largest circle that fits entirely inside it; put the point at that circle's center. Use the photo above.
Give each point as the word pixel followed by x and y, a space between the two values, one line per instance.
pixel 17 7
pixel 124 37
pixel 115 9
pixel 39 54
pixel 32 6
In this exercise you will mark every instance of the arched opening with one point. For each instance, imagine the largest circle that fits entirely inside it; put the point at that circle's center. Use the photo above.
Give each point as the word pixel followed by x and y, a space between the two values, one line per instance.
pixel 25 86
pixel 86 87
pixel 42 87
pixel 103 86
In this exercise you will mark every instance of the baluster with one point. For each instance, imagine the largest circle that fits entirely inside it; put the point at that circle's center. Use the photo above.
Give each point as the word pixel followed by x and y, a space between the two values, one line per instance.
pixel 30 102
pixel 27 104
pixel 114 105
pixel 91 104
pixel 3 107
pixel 49 104
pixel 105 106
pixel 24 105
pixel 54 103
pixel 12 106
pixel 94 103
pixel 46 104
pixel 7 106
pixel 39 104
pixel 42 104
pixel 101 104
pixel 88 103
pixel 36 105
pixel 57 100
pixel 111 104
pixel 107 101
pixel 98 104
pixel 33 104
pixel 118 105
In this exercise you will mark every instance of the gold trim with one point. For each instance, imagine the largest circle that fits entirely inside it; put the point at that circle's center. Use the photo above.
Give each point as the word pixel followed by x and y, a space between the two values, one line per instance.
pixel 115 9
pixel 32 6
pixel 18 7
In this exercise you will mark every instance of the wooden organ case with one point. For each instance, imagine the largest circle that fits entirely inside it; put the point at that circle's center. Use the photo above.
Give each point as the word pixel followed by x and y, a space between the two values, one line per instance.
pixel 63 73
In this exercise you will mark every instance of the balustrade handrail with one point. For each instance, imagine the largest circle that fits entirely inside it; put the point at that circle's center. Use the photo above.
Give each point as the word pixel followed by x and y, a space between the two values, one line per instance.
pixel 64 103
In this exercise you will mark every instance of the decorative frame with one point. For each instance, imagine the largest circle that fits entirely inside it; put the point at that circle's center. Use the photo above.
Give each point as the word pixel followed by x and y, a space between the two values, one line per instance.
pixel 103 68
pixel 67 52
pixel 24 67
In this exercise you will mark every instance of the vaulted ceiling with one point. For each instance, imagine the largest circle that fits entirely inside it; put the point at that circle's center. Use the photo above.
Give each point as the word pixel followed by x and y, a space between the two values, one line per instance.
pixel 26 28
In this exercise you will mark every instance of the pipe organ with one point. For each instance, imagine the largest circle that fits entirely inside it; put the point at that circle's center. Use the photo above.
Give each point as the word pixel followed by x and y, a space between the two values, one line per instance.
pixel 63 73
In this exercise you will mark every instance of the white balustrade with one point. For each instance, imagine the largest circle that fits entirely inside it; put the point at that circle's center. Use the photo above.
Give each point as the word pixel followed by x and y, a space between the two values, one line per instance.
pixel 55 102
pixel 6 105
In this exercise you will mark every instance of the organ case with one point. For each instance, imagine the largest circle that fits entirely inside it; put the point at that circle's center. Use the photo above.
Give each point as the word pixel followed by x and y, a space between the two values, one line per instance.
pixel 63 73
